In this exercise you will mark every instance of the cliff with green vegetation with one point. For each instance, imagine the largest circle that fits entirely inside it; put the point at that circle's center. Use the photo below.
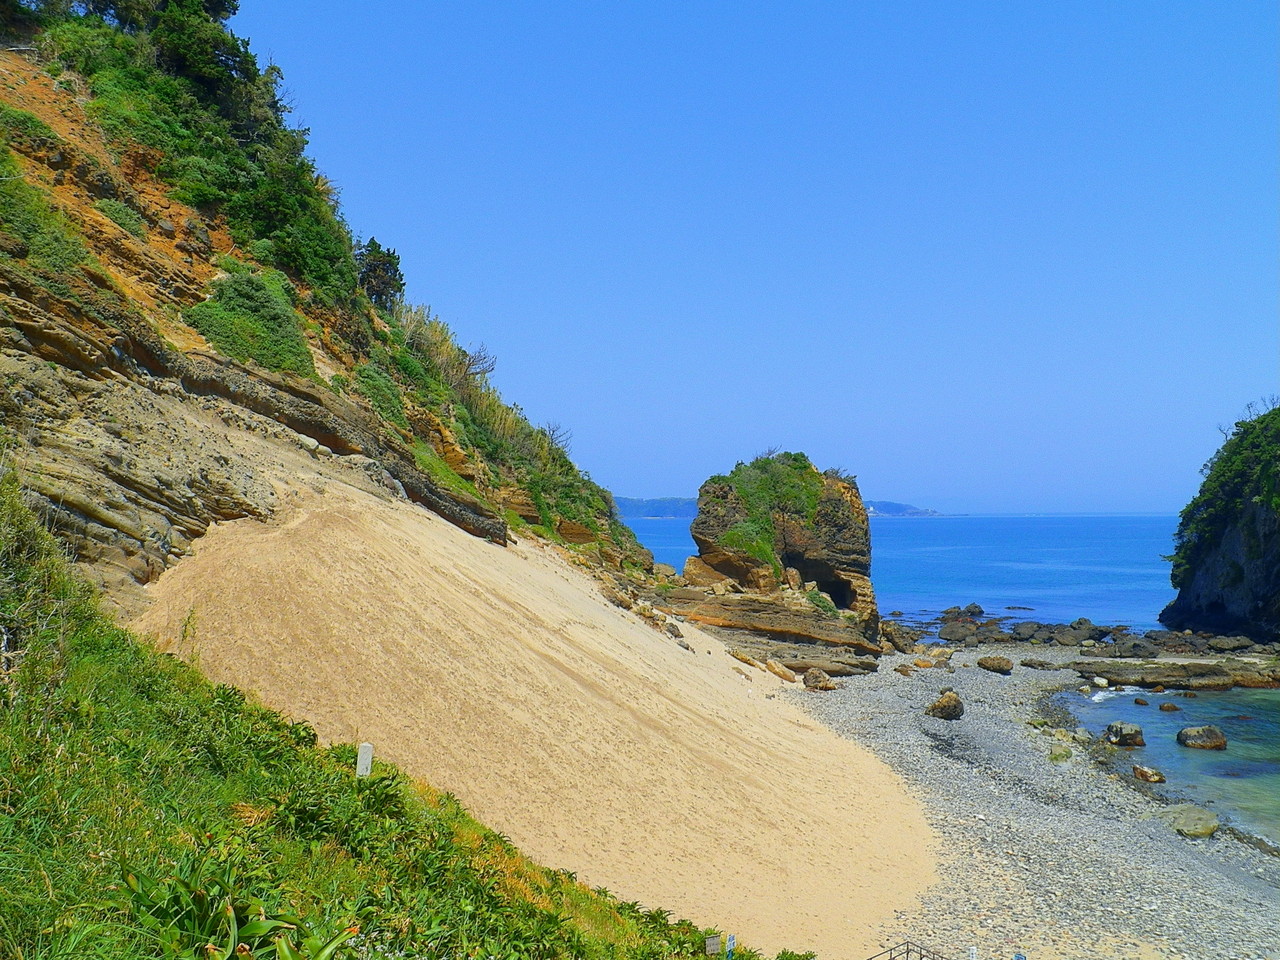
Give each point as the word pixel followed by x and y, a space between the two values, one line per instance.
pixel 1226 564
pixel 175 274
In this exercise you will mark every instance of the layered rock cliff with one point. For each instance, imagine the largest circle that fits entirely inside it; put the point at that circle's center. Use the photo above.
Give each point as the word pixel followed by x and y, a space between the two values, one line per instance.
pixel 1226 566
pixel 146 340
pixel 784 551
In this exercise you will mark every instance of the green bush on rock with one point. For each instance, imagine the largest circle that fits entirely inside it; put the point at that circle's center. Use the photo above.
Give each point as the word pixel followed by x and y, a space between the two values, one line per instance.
pixel 250 317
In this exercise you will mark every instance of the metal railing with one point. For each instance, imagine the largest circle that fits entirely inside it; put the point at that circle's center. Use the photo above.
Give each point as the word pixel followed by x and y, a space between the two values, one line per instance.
pixel 908 951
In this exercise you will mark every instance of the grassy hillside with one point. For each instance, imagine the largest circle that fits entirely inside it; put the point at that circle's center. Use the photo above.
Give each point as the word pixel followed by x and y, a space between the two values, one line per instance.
pixel 145 812
pixel 178 98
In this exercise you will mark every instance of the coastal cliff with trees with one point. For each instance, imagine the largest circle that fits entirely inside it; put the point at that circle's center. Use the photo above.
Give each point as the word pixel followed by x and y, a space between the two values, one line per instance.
pixel 167 251
pixel 1226 565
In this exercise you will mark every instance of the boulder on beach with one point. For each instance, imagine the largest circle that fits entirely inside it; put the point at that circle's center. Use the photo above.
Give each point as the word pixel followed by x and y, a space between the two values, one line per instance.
pixel 815 679
pixel 1191 821
pixel 1121 734
pixel 1001 665
pixel 947 707
pixel 780 671
pixel 1207 737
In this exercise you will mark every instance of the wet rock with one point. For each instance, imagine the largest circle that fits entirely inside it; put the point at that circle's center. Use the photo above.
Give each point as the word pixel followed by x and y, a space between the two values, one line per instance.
pixel 1138 701
pixel 1207 737
pixel 957 631
pixel 1191 821
pixel 1148 774
pixel 1170 707
pixel 1121 734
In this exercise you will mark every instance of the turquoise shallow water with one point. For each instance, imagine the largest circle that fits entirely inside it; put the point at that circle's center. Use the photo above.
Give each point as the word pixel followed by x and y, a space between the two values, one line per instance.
pixel 1242 783
pixel 1106 568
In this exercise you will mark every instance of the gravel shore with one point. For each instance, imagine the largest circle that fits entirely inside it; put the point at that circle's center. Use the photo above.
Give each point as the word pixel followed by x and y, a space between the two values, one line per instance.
pixel 1053 860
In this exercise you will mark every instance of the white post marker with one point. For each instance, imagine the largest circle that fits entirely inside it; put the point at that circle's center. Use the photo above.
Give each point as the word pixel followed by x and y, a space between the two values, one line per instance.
pixel 973 953
pixel 364 760
pixel 713 946
pixel 733 942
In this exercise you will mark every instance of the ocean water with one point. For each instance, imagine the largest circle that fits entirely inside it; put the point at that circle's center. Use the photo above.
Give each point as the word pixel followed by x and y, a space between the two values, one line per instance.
pixel 1107 568
pixel 1240 783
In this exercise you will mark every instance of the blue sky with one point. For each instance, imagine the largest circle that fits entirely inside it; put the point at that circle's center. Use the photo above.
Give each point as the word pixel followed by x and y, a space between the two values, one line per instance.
pixel 987 256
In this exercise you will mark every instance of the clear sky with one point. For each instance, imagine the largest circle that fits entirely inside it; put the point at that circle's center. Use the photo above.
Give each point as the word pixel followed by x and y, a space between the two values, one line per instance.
pixel 987 256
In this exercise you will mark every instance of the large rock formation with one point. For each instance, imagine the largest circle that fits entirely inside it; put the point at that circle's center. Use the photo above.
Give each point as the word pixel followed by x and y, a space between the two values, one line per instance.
pixel 1226 567
pixel 783 551
pixel 792 518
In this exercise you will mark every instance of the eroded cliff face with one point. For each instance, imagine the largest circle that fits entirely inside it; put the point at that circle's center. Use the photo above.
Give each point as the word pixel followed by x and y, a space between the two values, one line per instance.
pixel 1227 563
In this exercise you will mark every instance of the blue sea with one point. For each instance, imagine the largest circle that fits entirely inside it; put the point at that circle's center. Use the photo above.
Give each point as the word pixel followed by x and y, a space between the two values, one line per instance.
pixel 1108 568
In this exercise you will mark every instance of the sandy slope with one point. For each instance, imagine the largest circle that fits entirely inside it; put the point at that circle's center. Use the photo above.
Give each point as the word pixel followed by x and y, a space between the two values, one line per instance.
pixel 593 741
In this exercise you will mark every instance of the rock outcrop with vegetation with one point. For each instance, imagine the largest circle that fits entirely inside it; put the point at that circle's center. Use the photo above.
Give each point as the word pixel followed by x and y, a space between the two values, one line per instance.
pixel 1226 565
pixel 175 275
pixel 784 551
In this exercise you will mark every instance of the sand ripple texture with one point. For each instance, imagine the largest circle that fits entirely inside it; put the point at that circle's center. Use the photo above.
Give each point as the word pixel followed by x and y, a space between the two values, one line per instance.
pixel 1050 860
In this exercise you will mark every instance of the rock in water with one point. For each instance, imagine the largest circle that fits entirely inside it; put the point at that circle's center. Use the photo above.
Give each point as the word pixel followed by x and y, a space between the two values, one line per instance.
pixel 1001 665
pixel 1149 774
pixel 1120 734
pixel 1169 707
pixel 947 707
pixel 1207 737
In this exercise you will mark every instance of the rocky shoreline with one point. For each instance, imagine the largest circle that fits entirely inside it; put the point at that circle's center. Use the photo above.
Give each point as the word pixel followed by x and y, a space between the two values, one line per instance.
pixel 1062 856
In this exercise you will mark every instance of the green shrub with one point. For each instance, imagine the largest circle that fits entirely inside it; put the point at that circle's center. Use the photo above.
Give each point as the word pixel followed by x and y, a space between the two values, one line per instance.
pixel 123 215
pixel 822 602
pixel 771 485
pixel 250 317
pixel 51 241
pixel 377 386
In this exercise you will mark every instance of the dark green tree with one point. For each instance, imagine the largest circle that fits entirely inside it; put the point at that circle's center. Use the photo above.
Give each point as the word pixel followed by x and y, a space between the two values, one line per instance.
pixel 379 273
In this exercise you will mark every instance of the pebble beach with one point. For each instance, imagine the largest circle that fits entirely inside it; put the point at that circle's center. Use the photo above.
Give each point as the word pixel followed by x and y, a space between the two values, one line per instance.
pixel 1064 860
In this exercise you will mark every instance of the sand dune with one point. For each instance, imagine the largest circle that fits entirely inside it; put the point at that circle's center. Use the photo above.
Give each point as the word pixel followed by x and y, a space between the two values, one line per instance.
pixel 590 739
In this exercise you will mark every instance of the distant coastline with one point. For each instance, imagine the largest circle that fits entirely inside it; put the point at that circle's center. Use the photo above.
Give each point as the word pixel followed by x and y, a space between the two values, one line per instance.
pixel 664 508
